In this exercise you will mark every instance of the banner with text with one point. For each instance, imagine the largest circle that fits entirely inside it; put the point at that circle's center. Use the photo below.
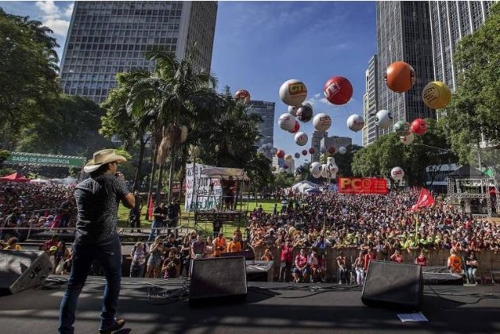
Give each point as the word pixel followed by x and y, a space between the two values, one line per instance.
pixel 362 185
pixel 23 158
pixel 202 193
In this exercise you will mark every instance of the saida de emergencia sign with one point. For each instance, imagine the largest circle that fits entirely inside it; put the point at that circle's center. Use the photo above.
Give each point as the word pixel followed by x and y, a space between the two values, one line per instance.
pixel 22 158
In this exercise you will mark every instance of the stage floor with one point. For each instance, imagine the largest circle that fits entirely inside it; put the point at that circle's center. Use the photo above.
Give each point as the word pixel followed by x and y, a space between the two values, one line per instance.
pixel 161 306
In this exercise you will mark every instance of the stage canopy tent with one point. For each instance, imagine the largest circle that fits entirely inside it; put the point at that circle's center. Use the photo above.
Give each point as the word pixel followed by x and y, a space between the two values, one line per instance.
pixel 14 177
pixel 224 173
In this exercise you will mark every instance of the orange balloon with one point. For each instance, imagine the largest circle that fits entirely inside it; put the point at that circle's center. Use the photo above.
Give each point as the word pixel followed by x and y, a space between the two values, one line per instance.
pixel 399 77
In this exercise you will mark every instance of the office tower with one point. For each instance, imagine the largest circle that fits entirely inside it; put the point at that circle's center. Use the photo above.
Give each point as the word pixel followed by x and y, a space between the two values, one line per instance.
pixel 450 22
pixel 404 34
pixel 108 37
pixel 336 141
pixel 266 129
pixel 316 141
pixel 370 103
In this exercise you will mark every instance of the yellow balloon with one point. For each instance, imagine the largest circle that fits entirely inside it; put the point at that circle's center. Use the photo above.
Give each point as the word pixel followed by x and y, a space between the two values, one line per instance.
pixel 436 95
pixel 288 158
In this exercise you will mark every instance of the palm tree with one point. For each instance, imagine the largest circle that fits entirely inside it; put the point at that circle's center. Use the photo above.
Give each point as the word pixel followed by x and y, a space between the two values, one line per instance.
pixel 170 97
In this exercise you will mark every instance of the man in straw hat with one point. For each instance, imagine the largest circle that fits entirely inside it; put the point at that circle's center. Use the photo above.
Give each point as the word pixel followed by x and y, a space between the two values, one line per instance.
pixel 96 238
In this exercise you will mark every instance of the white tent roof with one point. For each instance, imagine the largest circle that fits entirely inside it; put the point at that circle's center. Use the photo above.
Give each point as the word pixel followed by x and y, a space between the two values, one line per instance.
pixel 224 172
pixel 303 186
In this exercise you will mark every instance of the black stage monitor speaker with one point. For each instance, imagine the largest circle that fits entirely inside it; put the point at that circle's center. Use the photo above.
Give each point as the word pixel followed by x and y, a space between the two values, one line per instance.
pixel 393 285
pixel 21 270
pixel 218 280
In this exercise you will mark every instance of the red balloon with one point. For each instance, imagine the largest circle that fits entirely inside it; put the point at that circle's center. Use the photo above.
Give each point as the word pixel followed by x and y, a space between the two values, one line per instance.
pixel 280 154
pixel 419 126
pixel 331 150
pixel 243 95
pixel 312 150
pixel 304 152
pixel 338 90
pixel 296 127
pixel 399 77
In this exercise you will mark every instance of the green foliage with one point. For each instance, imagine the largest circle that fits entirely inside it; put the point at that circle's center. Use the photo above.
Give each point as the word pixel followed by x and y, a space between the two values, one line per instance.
pixel 472 115
pixel 28 74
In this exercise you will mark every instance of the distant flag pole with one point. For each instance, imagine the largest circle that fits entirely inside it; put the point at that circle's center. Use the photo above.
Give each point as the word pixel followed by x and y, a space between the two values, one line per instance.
pixel 425 199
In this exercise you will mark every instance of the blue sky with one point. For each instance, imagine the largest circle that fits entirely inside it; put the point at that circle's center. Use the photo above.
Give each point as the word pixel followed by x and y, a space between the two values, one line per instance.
pixel 259 45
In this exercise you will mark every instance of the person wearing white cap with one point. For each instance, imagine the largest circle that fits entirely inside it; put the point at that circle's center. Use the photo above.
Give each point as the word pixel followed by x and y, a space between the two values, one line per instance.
pixel 96 238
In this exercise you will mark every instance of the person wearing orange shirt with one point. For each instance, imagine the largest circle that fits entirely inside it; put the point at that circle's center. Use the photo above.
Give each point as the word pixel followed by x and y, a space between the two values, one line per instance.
pixel 220 244
pixel 234 245
pixel 454 262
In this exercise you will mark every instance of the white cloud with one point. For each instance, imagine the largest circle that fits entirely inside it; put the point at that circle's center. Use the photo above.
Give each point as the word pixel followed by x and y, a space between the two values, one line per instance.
pixel 55 17
pixel 60 27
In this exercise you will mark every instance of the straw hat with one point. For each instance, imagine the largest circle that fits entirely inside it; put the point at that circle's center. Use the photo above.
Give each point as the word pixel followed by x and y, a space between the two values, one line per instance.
pixel 102 157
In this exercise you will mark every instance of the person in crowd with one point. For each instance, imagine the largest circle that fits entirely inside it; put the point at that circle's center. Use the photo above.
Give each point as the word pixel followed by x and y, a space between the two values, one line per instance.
pixel 154 262
pixel 66 212
pixel 421 259
pixel 173 215
pixel 10 224
pixel 471 265
pixel 369 256
pixel 359 265
pixel 454 262
pixel 209 247
pixel 228 192
pixel 314 266
pixel 219 245
pixel 135 213
pixel 301 271
pixel 171 265
pixel 198 248
pixel 341 268
pixel 60 256
pixel 267 256
pixel 185 250
pixel 96 238
pixel 397 256
pixel 139 254
pixel 234 246
pixel 159 214
pixel 12 244
pixel 286 261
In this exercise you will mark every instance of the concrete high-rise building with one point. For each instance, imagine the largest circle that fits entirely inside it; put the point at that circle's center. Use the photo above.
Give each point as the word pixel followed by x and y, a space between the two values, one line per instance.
pixel 404 34
pixel 336 142
pixel 316 140
pixel 450 22
pixel 266 128
pixel 370 103
pixel 108 37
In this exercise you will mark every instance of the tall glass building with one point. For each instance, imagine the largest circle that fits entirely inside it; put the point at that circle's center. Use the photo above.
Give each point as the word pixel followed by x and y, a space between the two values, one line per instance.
pixel 370 103
pixel 404 34
pixel 108 37
pixel 266 128
pixel 450 22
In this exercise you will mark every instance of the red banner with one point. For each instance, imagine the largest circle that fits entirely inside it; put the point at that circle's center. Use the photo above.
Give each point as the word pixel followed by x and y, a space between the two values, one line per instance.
pixel 425 199
pixel 362 185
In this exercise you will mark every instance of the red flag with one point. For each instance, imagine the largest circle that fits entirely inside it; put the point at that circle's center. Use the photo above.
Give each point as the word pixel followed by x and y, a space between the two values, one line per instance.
pixel 150 208
pixel 425 199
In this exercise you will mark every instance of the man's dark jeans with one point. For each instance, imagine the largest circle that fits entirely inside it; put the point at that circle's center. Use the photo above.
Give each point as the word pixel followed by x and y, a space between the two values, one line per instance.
pixel 108 254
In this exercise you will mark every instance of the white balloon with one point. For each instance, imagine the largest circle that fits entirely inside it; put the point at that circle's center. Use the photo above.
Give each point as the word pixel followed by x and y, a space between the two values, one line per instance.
pixel 288 158
pixel 355 122
pixel 342 150
pixel 315 168
pixel 317 174
pixel 286 122
pixel 325 172
pixel 293 110
pixel 293 92
pixel 408 139
pixel 301 138
pixel 322 122
pixel 383 119
pixel 397 173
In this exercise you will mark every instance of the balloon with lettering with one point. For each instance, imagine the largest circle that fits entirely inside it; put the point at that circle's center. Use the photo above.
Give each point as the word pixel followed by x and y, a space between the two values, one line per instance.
pixel 436 95
pixel 419 126
pixel 383 119
pixel 312 150
pixel 280 154
pixel 297 155
pixel 342 150
pixel 408 139
pixel 305 112
pixel 292 110
pixel 399 77
pixel 304 152
pixel 355 122
pixel 402 128
pixel 338 90
pixel 322 122
pixel 332 168
pixel 286 122
pixel 293 92
pixel 242 95
pixel 397 173
pixel 301 138
pixel 324 171
pixel 296 127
